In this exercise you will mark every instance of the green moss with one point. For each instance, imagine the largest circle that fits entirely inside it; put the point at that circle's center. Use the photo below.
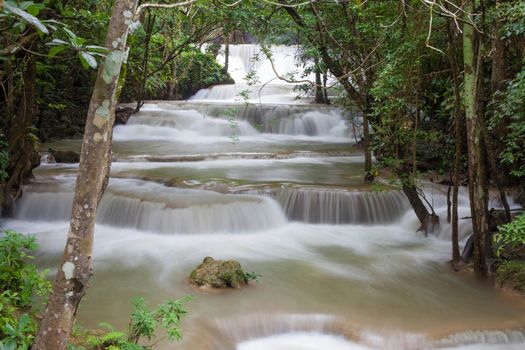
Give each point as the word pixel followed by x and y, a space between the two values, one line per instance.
pixel 512 274
pixel 218 274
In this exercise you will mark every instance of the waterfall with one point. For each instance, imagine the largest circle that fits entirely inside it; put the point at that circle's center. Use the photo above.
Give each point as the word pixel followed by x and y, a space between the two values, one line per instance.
pixel 266 87
pixel 337 206
pixel 179 125
pixel 249 57
pixel 277 185
pixel 169 211
pixel 167 122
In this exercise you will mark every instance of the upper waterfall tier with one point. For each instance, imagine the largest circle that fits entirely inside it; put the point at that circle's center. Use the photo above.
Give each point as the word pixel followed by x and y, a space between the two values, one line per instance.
pixel 159 122
pixel 247 58
pixel 264 84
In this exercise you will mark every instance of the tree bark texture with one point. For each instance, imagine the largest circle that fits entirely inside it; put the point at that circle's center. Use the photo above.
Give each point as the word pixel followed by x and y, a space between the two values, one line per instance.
pixel 76 267
pixel 428 220
pixel 474 144
pixel 458 132
pixel 21 149
pixel 142 87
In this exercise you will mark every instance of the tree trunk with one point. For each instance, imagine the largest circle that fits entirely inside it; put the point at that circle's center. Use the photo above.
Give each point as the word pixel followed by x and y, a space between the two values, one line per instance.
pixel 319 93
pixel 142 88
pixel 21 147
pixel 428 220
pixel 369 176
pixel 499 72
pixel 458 121
pixel 475 159
pixel 325 90
pixel 75 269
pixel 226 52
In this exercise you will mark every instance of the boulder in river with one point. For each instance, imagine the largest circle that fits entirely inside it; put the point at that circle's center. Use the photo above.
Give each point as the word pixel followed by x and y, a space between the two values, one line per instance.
pixel 218 274
pixel 65 156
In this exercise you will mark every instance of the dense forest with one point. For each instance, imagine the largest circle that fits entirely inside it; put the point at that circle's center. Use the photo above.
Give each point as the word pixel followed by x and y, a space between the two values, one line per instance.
pixel 431 96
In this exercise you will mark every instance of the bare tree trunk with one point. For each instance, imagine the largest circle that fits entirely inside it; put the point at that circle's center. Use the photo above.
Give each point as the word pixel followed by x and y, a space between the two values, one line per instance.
pixel 76 267
pixel 369 176
pixel 475 159
pixel 142 88
pixel 319 93
pixel 21 147
pixel 325 90
pixel 226 52
pixel 458 121
pixel 499 72
pixel 334 66
pixel 428 220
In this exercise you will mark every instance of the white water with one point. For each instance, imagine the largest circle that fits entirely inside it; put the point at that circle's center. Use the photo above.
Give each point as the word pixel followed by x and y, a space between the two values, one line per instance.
pixel 279 188
pixel 266 87
pixel 157 208
pixel 301 341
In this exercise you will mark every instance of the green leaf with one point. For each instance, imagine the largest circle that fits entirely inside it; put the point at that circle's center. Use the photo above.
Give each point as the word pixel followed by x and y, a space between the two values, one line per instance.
pixel 95 48
pixel 26 17
pixel 72 36
pixel 57 42
pixel 55 50
pixel 87 60
pixel 9 345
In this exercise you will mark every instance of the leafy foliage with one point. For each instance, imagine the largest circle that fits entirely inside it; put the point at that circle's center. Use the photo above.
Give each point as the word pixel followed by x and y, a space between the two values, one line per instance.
pixel 21 288
pixel 511 235
pixel 252 276
pixel 143 325
pixel 509 110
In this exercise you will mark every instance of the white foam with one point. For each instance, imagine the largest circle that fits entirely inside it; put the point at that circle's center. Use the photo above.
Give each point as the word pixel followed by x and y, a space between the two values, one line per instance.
pixel 301 341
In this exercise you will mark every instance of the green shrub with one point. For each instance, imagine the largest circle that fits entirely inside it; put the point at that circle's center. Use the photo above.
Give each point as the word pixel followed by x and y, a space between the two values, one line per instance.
pixel 22 290
pixel 511 235
pixel 143 325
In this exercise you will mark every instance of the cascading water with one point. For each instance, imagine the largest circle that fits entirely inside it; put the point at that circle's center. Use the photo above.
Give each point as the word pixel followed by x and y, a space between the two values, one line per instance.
pixel 264 85
pixel 277 186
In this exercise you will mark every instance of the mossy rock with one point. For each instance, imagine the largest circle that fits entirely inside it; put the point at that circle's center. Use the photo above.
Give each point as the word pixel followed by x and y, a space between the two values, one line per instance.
pixel 511 274
pixel 218 274
pixel 65 156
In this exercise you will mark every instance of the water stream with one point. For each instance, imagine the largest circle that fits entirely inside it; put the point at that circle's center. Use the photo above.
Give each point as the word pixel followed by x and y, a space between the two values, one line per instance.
pixel 277 185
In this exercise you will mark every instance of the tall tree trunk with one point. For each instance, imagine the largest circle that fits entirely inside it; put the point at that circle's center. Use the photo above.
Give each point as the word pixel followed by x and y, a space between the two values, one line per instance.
pixel 76 267
pixel 369 176
pixel 498 78
pixel 226 52
pixel 475 158
pixel 499 72
pixel 334 66
pixel 21 147
pixel 428 220
pixel 142 88
pixel 458 121
pixel 319 93
pixel 325 90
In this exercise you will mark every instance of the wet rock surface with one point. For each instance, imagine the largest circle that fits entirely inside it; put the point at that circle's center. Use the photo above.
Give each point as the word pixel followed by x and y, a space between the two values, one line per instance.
pixel 218 274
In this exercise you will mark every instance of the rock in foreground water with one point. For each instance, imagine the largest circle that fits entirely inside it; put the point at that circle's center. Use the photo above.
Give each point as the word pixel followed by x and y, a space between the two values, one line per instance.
pixel 218 274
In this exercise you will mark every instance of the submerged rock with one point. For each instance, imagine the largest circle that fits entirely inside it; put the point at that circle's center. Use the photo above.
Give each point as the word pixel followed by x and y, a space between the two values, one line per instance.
pixel 218 274
pixel 64 156
pixel 122 115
